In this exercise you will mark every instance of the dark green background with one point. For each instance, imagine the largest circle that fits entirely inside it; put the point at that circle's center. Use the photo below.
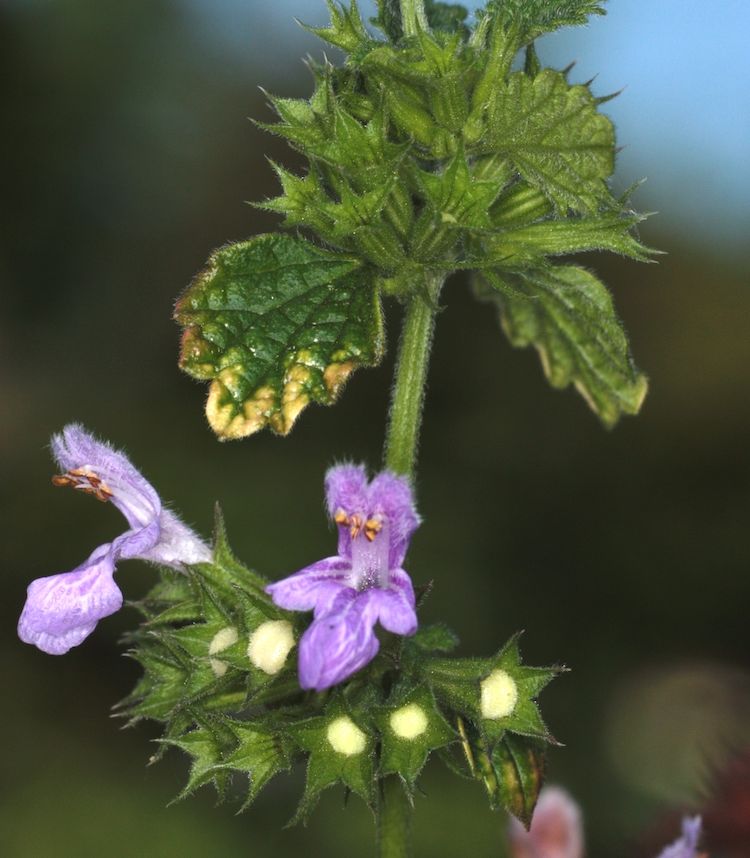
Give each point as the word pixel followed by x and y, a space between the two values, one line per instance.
pixel 623 554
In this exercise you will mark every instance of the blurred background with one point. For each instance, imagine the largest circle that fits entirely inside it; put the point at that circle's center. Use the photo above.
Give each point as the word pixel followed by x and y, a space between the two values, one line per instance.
pixel 624 554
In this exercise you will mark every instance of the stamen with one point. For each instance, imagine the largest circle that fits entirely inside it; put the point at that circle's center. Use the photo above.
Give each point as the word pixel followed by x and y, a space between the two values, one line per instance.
pixel 356 526
pixel 341 517
pixel 86 481
pixel 373 526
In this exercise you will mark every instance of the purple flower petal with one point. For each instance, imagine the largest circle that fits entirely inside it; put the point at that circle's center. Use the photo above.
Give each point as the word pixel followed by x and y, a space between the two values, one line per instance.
pixel 312 588
pixel 395 605
pixel 62 610
pixel 346 488
pixel 687 845
pixel 392 497
pixel 339 643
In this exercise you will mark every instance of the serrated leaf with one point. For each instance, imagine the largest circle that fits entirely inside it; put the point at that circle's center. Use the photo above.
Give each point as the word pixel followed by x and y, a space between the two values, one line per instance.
pixel 531 18
pixel 567 314
pixel 276 323
pixel 519 768
pixel 555 137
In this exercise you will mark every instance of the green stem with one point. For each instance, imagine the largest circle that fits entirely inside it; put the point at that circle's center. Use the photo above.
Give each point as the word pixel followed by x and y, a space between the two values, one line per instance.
pixel 411 374
pixel 394 821
pixel 413 17
pixel 407 399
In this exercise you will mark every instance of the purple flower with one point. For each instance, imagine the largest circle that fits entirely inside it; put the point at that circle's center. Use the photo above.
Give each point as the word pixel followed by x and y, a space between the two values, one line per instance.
pixel 687 845
pixel 62 610
pixel 363 584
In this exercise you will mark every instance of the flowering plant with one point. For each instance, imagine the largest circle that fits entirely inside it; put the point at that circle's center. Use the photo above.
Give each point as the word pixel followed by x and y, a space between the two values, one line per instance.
pixel 430 151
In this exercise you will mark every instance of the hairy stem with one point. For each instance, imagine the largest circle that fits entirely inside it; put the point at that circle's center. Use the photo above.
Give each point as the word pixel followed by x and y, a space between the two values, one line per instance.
pixel 411 374
pixel 394 821
pixel 413 17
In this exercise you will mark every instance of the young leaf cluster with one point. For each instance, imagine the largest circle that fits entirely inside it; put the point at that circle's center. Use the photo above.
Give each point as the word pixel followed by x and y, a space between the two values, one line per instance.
pixel 242 719
pixel 426 154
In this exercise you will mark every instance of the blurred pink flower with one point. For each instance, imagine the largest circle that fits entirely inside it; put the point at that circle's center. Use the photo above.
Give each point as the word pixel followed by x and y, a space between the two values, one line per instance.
pixel 556 829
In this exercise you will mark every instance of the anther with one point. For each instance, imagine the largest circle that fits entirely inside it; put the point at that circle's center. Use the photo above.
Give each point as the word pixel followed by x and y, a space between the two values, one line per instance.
pixel 341 517
pixel 373 526
pixel 86 481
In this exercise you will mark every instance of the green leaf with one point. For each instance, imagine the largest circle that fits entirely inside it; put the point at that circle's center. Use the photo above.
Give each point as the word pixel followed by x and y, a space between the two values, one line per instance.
pixel 531 18
pixel 276 323
pixel 555 137
pixel 519 768
pixel 608 231
pixel 567 314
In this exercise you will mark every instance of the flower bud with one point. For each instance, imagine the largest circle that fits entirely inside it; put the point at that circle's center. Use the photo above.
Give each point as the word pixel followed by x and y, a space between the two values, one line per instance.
pixel 499 695
pixel 269 645
pixel 409 721
pixel 345 737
